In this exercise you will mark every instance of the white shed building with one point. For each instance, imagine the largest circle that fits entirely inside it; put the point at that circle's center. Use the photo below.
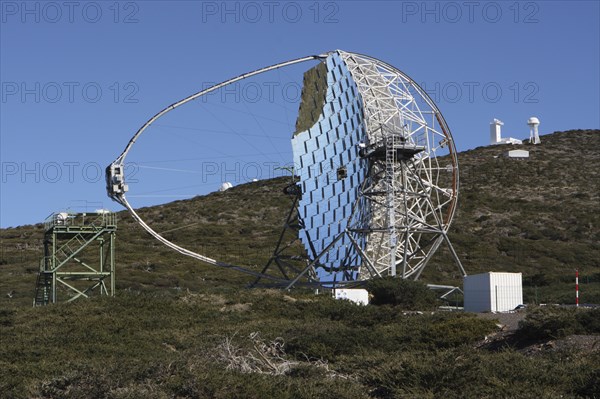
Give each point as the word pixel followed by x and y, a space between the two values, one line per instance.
pixel 492 292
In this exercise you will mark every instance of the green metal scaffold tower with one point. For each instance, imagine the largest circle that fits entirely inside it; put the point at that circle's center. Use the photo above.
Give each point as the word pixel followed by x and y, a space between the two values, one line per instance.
pixel 70 239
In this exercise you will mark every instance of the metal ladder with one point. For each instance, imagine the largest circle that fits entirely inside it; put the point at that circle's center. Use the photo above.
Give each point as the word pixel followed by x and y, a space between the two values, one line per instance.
pixel 43 287
pixel 390 177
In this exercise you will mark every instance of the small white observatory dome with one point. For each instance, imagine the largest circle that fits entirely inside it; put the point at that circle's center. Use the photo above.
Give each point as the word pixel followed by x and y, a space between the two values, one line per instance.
pixel 533 121
pixel 225 186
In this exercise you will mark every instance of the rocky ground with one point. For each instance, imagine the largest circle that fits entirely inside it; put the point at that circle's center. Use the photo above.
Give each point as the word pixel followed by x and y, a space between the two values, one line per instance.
pixel 508 323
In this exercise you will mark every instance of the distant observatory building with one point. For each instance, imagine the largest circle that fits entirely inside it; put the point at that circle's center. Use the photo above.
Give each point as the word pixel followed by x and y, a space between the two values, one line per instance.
pixel 225 186
pixel 496 134
pixel 516 154
pixel 534 137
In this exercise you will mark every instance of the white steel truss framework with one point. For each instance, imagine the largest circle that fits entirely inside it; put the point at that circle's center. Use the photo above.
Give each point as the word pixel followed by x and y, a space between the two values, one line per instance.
pixel 412 197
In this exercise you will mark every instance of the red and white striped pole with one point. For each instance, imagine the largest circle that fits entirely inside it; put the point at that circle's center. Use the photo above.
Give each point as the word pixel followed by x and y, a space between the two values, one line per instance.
pixel 576 287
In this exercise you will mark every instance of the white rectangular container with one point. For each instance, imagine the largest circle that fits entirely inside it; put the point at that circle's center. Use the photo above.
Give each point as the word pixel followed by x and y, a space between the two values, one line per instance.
pixel 356 295
pixel 493 292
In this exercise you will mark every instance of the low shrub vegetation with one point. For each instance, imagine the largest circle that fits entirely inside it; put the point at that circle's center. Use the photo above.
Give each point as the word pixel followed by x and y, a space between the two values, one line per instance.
pixel 554 322
pixel 182 329
pixel 266 343
pixel 406 294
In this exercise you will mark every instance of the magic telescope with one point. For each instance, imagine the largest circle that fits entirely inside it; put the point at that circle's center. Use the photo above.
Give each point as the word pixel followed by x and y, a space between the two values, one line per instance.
pixel 377 174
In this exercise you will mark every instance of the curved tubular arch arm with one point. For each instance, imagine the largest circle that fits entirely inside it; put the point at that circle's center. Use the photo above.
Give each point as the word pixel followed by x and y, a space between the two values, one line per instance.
pixel 194 96
pixel 115 176
pixel 192 254
pixel 116 186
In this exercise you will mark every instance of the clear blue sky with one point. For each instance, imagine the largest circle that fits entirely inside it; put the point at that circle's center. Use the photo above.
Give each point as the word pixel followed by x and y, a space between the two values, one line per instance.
pixel 79 78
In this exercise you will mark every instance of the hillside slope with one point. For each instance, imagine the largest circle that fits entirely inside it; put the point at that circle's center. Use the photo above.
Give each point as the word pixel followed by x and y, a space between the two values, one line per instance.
pixel 538 216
